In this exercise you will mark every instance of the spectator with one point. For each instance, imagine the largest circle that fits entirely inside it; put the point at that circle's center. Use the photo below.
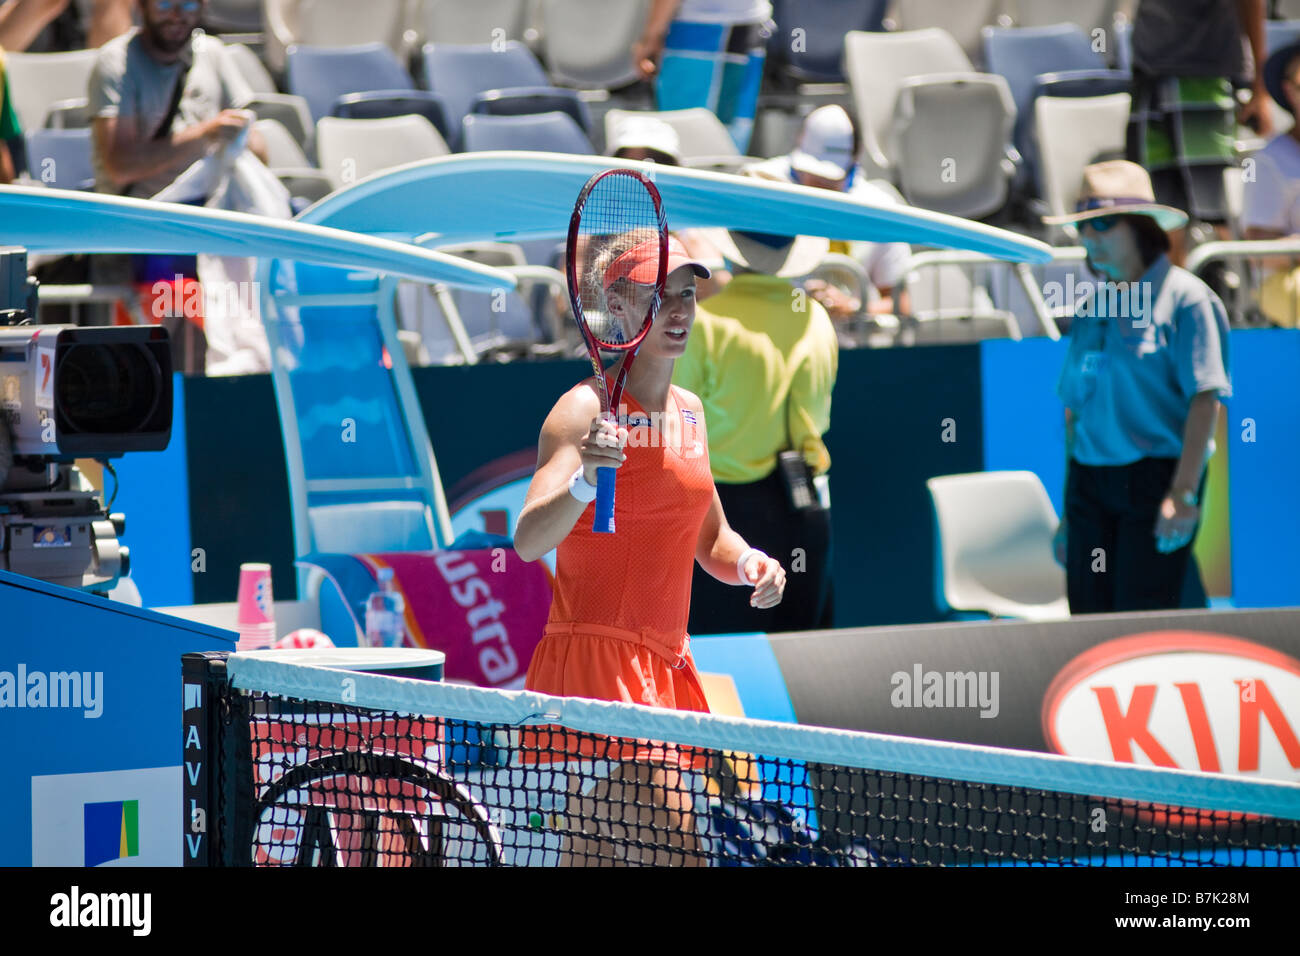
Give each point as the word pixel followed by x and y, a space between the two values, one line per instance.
pixel 22 22
pixel 826 157
pixel 707 53
pixel 645 138
pixel 1272 195
pixel 1182 129
pixel 763 362
pixel 1146 368
pixel 162 96
pixel 10 130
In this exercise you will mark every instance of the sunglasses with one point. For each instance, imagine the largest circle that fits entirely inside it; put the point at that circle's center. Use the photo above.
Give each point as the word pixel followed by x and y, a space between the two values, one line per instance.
pixel 184 6
pixel 1100 224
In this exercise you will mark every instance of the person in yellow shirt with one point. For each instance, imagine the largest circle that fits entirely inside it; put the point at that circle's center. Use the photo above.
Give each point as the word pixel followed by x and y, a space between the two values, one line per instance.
pixel 762 358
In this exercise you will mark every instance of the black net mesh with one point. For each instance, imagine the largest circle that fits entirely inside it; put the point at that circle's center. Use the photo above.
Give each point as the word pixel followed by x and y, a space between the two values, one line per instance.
pixel 315 784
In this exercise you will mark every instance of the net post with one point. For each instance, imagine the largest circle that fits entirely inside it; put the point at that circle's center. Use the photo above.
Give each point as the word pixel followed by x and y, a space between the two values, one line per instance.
pixel 202 676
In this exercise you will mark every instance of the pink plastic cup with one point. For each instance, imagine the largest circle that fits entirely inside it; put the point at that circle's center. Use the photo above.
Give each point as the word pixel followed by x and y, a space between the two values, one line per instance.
pixel 256 620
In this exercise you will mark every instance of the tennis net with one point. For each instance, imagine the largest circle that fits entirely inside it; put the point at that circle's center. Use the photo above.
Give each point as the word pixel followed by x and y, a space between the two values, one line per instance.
pixel 294 765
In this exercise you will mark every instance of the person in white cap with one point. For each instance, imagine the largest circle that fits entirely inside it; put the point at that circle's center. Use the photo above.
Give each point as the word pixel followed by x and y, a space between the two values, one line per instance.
pixel 763 363
pixel 826 157
pixel 645 138
pixel 1146 369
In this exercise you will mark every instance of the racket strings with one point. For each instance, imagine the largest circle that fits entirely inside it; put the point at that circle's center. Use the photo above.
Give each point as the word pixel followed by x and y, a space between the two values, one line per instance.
pixel 618 256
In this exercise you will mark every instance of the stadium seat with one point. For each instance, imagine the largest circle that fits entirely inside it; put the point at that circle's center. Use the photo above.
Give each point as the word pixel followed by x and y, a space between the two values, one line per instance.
pixel 268 103
pixel 233 16
pixel 1071 134
pixel 1279 33
pixel 703 140
pixel 963 21
pixel 493 323
pixel 351 149
pixel 954 132
pixel 876 64
pixel 333 23
pixel 588 43
pixel 458 21
pixel 459 73
pixel 945 295
pixel 286 159
pixel 1022 54
pixel 816 53
pixel 993 552
pixel 39 80
pixel 69 114
pixel 544 132
pixel 1123 37
pixel 523 100
pixel 385 103
pixel 1084 83
pixel 60 158
pixel 1088 15
pixel 321 75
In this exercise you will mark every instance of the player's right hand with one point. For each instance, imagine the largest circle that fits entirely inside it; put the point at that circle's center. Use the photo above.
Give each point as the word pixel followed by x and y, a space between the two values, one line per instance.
pixel 602 447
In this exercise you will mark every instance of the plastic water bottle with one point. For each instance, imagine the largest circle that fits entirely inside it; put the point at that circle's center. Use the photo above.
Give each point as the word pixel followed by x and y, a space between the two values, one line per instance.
pixel 386 614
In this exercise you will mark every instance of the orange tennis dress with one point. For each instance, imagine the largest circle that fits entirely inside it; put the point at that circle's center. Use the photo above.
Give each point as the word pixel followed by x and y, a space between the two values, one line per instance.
pixel 617 628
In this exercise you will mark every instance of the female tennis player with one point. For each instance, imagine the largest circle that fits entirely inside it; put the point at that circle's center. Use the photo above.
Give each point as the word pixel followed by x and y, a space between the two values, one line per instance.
pixel 617 628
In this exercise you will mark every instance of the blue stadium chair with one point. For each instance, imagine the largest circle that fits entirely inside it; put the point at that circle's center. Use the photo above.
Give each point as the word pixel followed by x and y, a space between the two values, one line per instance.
pixel 382 104
pixel 1083 83
pixel 459 73
pixel 1278 33
pixel 1021 54
pixel 321 75
pixel 541 99
pixel 61 158
pixel 1123 34
pixel 543 132
pixel 823 23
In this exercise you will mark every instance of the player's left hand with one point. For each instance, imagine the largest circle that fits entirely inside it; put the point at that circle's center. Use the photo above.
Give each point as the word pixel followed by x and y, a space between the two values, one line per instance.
pixel 768 578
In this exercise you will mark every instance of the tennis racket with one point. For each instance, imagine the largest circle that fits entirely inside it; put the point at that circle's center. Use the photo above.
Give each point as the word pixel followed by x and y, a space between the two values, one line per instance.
pixel 616 268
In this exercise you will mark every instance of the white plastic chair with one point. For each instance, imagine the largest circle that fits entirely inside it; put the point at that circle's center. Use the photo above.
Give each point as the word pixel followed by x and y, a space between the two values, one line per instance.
pixel 876 65
pixel 1072 133
pixel 333 23
pixel 352 149
pixel 469 21
pixel 952 141
pixel 587 44
pixel 39 80
pixel 963 19
pixel 994 547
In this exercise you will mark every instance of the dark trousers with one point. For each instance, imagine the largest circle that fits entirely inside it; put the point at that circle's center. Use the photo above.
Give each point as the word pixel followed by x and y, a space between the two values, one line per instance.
pixel 760 513
pixel 1111 559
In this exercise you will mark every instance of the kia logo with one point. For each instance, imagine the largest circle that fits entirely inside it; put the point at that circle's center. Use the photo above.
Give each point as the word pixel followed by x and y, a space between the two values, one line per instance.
pixel 1183 699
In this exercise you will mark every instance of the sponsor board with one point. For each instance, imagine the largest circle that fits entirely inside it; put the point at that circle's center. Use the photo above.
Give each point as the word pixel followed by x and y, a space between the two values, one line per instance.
pixel 106 819
pixel 1191 700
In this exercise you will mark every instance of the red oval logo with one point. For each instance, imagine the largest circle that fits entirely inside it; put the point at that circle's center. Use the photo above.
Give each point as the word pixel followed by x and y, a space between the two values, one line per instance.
pixel 1185 699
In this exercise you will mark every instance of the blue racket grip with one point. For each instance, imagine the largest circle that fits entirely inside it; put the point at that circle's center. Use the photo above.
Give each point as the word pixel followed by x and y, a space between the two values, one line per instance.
pixel 604 523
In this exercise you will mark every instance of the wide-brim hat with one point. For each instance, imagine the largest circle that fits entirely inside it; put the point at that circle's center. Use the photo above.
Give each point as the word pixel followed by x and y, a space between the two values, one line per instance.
pixel 1275 73
pixel 1119 188
pixel 786 257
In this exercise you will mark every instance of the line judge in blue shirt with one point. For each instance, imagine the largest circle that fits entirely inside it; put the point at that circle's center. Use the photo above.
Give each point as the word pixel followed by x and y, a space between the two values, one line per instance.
pixel 1146 369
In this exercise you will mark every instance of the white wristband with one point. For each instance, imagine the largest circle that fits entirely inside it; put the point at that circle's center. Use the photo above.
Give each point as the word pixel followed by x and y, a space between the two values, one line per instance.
pixel 580 488
pixel 740 564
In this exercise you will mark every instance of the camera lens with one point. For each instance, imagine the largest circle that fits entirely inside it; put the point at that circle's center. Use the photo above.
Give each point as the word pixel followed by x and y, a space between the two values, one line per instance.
pixel 107 388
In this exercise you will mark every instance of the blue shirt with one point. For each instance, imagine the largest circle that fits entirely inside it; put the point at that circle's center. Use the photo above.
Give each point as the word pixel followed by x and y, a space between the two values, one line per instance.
pixel 1139 353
